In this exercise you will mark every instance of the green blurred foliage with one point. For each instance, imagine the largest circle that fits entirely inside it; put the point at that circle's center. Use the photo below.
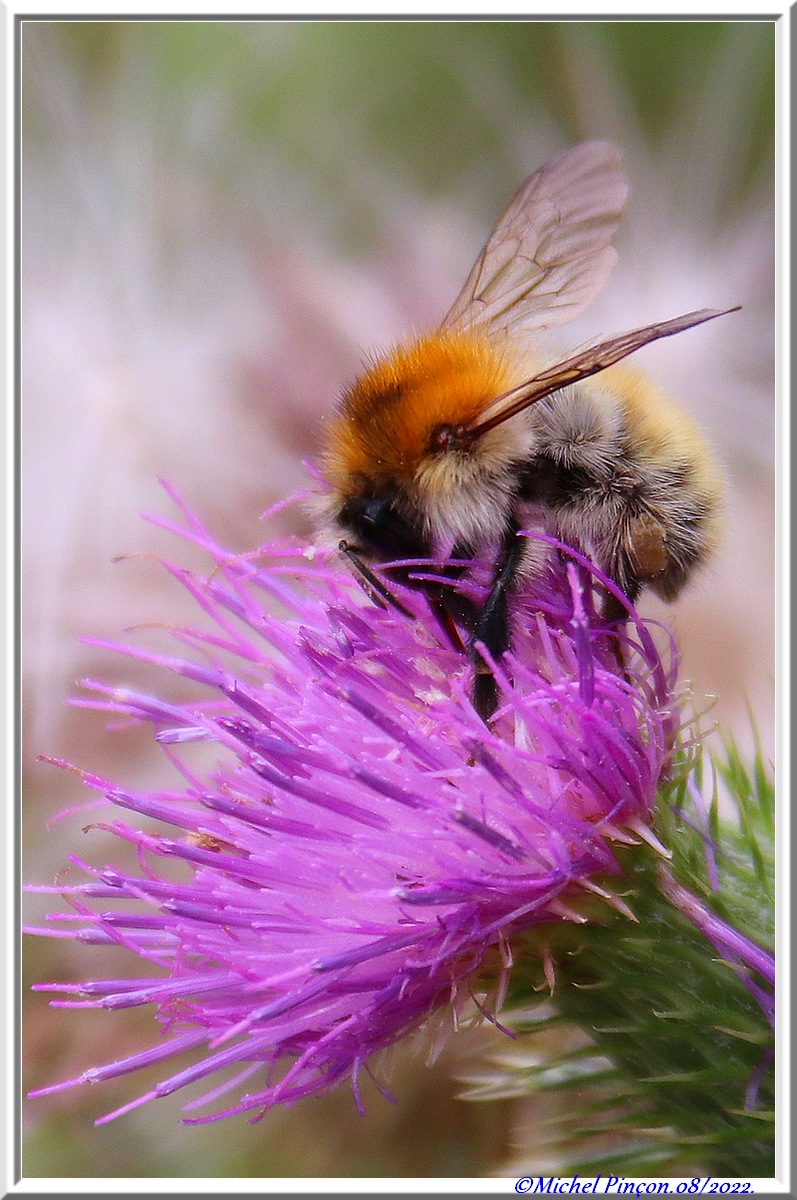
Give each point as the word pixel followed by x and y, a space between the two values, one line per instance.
pixel 658 1083
pixel 426 96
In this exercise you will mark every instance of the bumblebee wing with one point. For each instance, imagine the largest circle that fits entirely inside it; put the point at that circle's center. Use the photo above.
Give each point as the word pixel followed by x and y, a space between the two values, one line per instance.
pixel 549 254
pixel 583 364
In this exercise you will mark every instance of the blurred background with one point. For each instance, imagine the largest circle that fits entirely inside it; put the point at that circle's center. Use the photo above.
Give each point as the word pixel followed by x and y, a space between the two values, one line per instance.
pixel 218 221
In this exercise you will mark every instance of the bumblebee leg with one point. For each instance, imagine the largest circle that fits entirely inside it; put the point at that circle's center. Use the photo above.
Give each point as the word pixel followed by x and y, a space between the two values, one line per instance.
pixel 641 556
pixel 448 615
pixel 460 611
pixel 452 610
pixel 492 626
pixel 613 609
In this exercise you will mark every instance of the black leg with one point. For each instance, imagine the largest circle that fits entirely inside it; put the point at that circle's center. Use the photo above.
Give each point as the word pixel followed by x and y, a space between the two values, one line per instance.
pixel 453 610
pixel 618 565
pixel 622 573
pixel 492 627
pixel 612 609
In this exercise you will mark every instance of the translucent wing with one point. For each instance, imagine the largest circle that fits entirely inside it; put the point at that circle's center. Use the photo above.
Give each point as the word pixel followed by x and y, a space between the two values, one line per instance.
pixel 580 366
pixel 549 254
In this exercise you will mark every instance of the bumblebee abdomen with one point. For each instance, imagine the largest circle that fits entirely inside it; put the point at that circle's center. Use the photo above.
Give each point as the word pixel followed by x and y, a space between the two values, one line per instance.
pixel 625 475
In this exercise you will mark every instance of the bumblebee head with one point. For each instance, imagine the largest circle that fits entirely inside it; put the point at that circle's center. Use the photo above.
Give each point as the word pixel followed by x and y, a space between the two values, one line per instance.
pixel 379 527
pixel 406 476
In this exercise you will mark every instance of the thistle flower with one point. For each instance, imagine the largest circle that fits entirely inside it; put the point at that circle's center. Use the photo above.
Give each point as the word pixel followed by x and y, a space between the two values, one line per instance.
pixel 365 850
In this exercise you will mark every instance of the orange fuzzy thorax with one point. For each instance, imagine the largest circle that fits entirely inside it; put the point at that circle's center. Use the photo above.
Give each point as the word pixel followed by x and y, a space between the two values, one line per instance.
pixel 382 430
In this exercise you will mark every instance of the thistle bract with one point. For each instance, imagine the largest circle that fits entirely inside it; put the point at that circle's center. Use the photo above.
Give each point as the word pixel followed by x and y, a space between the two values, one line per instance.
pixel 365 848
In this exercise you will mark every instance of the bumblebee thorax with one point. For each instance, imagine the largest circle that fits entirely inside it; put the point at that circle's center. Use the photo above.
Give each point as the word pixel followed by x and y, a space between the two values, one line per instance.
pixel 406 406
pixel 400 433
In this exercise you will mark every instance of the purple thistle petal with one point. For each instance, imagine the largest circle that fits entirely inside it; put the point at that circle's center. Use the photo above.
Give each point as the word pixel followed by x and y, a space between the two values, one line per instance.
pixel 701 810
pixel 743 954
pixel 365 843
pixel 753 1087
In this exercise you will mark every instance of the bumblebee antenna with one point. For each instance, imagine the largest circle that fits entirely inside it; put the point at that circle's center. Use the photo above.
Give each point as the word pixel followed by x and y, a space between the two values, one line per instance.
pixel 371 584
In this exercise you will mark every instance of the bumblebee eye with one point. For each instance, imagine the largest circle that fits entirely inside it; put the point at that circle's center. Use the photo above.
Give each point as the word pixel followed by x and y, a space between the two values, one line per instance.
pixel 381 529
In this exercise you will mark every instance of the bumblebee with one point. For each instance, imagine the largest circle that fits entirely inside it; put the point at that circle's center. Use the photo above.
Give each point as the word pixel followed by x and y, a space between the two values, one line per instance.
pixel 449 444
